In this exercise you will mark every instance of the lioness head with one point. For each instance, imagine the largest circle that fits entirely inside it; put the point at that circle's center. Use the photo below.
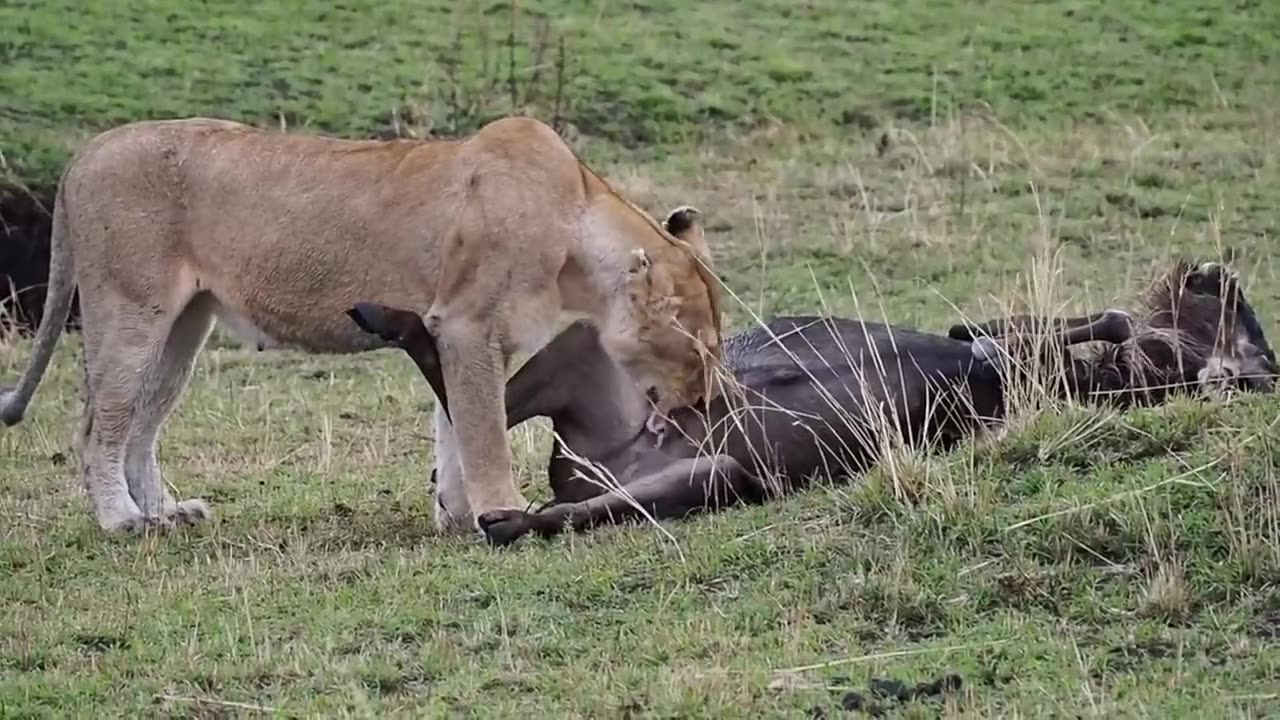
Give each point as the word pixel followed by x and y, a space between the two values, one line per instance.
pixel 674 304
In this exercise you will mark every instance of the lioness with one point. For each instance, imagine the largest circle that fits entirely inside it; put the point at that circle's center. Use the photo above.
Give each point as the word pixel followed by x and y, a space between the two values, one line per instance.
pixel 167 225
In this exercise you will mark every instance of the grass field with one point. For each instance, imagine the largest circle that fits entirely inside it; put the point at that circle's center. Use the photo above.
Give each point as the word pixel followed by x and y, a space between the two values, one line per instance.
pixel 912 160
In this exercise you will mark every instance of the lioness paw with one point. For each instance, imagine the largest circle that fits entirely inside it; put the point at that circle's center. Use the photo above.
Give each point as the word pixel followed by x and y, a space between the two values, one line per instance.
pixel 124 524
pixel 191 512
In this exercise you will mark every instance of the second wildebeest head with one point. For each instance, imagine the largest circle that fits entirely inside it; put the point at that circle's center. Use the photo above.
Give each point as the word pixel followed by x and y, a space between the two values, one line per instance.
pixel 1192 329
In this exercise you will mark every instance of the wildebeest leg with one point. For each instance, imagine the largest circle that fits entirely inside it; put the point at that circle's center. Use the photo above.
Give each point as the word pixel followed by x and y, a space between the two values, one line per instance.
pixel 1017 323
pixel 541 386
pixel 684 487
pixel 406 330
pixel 549 379
pixel 1111 326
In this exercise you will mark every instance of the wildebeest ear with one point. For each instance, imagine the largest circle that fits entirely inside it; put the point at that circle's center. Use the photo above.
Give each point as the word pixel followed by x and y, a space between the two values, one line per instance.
pixel 373 319
pixel 1212 278
pixel 683 222
pixel 969 332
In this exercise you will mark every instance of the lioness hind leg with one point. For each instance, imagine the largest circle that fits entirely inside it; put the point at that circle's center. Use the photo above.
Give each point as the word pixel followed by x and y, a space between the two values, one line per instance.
pixel 161 388
pixel 122 349
pixel 475 380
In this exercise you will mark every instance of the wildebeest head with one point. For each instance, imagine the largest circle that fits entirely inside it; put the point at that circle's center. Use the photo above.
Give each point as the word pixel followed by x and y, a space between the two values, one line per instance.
pixel 1193 328
pixel 1200 329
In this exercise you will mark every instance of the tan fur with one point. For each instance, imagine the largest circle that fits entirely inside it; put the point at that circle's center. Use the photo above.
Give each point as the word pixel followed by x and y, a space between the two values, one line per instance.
pixel 166 225
pixel 452 509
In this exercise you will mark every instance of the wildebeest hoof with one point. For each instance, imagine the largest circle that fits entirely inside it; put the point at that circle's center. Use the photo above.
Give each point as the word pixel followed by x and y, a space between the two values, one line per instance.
pixel 503 527
pixel 963 332
pixel 949 683
pixel 1116 327
pixel 371 319
pixel 853 700
pixel 10 412
pixel 890 688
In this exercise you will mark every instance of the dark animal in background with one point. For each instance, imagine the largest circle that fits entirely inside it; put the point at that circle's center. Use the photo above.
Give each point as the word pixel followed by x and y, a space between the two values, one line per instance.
pixel 826 396
pixel 24 259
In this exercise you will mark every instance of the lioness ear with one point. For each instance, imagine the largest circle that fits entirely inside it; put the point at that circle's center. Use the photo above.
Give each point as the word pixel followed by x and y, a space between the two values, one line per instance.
pixel 683 222
pixel 681 219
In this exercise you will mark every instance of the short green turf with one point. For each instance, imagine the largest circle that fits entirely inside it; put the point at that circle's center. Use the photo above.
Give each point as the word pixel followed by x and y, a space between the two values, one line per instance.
pixel 913 160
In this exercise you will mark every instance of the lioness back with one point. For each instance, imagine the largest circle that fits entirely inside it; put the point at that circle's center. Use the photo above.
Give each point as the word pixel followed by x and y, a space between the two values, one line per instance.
pixel 286 231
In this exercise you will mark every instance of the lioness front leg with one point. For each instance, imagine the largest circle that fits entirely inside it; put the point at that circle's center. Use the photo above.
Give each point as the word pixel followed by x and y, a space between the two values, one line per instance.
pixel 475 379
pixel 452 511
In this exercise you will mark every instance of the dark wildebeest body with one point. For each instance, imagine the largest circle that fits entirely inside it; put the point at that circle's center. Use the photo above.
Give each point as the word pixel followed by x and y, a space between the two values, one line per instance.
pixel 25 222
pixel 813 396
pixel 826 396
pixel 809 395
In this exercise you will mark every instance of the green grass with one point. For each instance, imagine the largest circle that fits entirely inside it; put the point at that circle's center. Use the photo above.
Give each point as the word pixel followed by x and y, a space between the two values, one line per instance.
pixel 916 159
pixel 637 72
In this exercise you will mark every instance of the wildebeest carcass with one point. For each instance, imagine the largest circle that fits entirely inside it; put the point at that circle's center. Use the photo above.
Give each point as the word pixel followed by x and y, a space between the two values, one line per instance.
pixel 826 396
pixel 24 258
